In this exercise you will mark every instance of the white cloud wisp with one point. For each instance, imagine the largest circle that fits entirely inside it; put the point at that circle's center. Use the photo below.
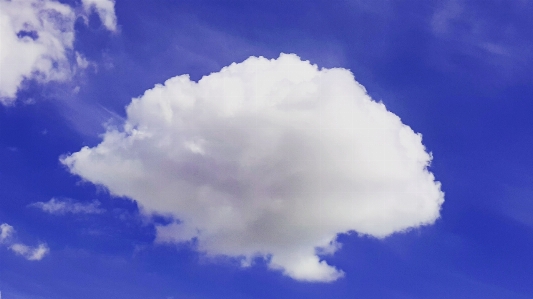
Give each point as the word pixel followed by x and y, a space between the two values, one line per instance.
pixel 30 253
pixel 68 206
pixel 6 231
pixel 105 10
pixel 269 158
pixel 37 40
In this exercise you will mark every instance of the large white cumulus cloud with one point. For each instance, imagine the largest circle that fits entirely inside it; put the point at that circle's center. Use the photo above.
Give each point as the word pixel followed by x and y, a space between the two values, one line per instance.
pixel 36 40
pixel 269 158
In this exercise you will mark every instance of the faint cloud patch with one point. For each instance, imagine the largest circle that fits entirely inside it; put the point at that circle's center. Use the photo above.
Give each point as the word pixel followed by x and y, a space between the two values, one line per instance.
pixel 81 61
pixel 496 47
pixel 519 204
pixel 380 8
pixel 444 16
pixel 68 206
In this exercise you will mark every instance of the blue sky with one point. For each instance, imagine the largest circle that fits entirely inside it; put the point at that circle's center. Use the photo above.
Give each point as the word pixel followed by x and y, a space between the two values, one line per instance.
pixel 458 72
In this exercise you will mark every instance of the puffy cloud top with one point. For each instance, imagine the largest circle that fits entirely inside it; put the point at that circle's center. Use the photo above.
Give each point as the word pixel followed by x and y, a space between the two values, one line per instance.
pixel 268 158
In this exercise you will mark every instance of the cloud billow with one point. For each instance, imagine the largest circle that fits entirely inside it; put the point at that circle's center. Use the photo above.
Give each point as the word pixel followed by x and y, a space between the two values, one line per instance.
pixel 269 158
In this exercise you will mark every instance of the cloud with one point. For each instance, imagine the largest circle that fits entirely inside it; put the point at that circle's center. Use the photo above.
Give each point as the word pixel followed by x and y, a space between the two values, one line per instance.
pixel 106 11
pixel 6 231
pixel 269 158
pixel 81 61
pixel 68 206
pixel 37 43
pixel 30 253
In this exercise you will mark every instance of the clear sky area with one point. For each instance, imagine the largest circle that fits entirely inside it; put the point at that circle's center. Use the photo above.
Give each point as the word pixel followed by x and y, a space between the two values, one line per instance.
pixel 266 149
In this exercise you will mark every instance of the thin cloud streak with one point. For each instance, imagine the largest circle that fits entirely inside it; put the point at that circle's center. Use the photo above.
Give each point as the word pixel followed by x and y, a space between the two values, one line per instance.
pixel 68 206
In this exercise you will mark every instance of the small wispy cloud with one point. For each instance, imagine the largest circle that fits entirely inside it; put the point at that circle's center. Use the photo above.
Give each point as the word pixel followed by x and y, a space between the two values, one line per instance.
pixel 105 10
pixel 30 253
pixel 7 233
pixel 68 206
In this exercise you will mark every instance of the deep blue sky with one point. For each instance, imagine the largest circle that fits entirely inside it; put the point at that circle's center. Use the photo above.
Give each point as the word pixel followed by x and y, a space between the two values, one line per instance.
pixel 460 76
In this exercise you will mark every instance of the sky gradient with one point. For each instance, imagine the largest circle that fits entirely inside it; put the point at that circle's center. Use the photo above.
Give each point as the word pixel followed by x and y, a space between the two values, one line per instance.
pixel 457 72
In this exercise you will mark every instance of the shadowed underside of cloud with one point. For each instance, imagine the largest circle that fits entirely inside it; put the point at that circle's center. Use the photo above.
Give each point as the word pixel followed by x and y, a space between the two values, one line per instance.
pixel 37 41
pixel 30 253
pixel 269 158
